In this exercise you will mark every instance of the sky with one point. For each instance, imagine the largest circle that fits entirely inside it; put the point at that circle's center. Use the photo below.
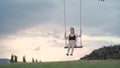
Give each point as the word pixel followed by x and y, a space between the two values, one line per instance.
pixel 35 28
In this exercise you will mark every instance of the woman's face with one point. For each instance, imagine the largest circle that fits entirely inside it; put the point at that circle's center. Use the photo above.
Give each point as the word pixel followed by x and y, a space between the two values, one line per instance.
pixel 71 30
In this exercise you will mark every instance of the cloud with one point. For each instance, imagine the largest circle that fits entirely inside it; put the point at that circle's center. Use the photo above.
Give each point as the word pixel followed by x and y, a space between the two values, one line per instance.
pixel 37 49
pixel 18 15
pixel 101 18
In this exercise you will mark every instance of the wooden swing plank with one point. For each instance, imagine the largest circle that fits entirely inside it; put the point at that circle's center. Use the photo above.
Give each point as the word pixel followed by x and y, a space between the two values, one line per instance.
pixel 74 47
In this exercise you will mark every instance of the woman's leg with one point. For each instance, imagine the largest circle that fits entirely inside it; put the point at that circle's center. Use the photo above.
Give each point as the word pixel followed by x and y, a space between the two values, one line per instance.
pixel 72 50
pixel 68 50
pixel 69 46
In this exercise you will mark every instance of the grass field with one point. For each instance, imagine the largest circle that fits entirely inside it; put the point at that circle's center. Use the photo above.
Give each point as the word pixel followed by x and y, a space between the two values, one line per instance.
pixel 67 64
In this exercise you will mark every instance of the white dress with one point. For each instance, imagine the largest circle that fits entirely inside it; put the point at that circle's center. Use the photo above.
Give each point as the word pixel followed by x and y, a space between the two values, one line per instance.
pixel 72 43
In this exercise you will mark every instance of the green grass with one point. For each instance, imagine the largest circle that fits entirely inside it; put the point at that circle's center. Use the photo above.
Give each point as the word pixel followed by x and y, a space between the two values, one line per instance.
pixel 68 64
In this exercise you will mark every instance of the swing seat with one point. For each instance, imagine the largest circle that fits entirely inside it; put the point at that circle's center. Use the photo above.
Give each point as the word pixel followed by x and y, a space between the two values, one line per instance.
pixel 74 47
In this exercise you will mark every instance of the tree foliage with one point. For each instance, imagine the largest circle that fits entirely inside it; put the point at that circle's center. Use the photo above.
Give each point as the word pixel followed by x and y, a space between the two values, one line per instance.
pixel 24 59
pixel 13 58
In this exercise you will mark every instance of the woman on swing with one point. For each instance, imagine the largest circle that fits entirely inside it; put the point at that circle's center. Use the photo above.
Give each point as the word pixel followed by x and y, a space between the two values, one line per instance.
pixel 72 38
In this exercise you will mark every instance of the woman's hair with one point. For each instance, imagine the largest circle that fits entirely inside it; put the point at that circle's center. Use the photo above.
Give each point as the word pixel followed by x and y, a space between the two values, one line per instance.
pixel 72 28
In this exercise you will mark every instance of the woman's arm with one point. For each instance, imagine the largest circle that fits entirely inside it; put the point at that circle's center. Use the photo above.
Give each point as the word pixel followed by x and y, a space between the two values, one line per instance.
pixel 77 35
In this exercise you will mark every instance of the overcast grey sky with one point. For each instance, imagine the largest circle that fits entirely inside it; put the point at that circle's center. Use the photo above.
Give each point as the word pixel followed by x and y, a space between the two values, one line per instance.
pixel 99 18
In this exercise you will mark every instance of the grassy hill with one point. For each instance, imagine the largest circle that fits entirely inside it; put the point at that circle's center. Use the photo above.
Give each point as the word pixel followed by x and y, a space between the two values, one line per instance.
pixel 104 53
pixel 68 64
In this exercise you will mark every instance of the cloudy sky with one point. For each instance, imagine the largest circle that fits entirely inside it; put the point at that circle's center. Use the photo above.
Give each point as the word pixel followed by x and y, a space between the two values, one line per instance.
pixel 35 28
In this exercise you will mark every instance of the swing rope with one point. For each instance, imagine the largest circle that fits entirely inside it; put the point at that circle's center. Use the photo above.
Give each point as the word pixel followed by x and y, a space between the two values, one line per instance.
pixel 65 21
pixel 80 22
